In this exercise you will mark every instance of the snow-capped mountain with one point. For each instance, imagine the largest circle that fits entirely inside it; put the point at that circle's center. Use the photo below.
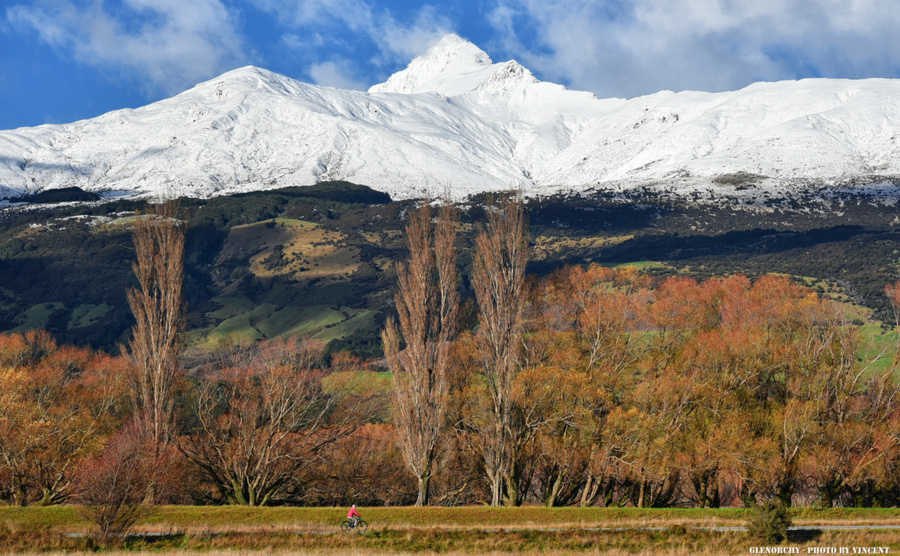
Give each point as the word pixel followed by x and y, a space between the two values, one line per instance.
pixel 455 122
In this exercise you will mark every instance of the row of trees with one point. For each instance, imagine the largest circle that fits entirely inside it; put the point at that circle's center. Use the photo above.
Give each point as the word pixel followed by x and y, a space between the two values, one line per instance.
pixel 599 386
pixel 254 427
pixel 686 392
pixel 594 386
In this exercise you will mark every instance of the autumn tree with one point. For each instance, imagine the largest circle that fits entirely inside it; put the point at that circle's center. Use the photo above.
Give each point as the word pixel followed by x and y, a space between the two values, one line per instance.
pixel 114 488
pixel 365 468
pixel 498 277
pixel 858 406
pixel 609 314
pixel 558 401
pixel 427 305
pixel 652 412
pixel 263 415
pixel 158 307
pixel 790 335
pixel 558 406
pixel 57 407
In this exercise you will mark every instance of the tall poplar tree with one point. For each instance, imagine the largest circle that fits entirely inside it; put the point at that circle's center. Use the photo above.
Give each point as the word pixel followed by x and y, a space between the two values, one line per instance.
pixel 158 307
pixel 427 306
pixel 501 254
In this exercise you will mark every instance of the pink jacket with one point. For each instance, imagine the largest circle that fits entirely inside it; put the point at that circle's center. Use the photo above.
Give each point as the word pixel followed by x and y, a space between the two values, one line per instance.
pixel 353 513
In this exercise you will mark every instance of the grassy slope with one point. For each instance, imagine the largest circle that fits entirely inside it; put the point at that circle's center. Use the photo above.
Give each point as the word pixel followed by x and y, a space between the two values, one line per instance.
pixel 878 345
pixel 36 317
pixel 309 266
pixel 320 262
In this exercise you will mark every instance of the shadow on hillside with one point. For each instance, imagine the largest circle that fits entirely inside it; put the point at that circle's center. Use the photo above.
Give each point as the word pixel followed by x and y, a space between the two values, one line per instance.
pixel 23 165
pixel 597 216
pixel 676 247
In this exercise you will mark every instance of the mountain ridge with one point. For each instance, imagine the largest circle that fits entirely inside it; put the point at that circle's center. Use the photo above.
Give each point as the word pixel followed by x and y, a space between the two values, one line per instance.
pixel 454 122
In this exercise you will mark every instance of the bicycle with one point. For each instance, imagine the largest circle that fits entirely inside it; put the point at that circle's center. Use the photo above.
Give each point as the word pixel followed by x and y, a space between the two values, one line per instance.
pixel 361 526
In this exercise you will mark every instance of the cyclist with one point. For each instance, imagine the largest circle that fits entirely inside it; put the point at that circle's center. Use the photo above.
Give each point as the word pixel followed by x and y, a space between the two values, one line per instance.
pixel 353 515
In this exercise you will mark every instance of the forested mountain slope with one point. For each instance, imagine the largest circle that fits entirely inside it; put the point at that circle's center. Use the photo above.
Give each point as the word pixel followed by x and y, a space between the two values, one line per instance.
pixel 319 260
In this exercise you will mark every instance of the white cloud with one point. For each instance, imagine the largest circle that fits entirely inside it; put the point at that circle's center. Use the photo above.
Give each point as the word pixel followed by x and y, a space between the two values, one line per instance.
pixel 408 41
pixel 167 45
pixel 631 47
pixel 334 74
pixel 394 40
pixel 307 41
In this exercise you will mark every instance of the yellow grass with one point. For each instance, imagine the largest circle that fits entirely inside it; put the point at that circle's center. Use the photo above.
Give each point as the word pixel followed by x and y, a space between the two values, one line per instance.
pixel 550 247
pixel 310 250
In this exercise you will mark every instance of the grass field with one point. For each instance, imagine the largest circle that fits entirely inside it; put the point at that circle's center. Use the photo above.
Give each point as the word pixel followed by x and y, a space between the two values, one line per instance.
pixel 307 250
pixel 466 530
pixel 85 315
pixel 644 265
pixel 36 317
pixel 303 285
pixel 242 518
pixel 877 344
pixel 267 320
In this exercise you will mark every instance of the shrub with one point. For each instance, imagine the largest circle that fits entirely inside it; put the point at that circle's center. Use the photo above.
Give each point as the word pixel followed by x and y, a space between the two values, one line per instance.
pixel 115 489
pixel 769 522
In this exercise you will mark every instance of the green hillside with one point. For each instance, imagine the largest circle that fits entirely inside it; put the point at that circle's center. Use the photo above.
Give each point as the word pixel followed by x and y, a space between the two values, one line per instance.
pixel 319 261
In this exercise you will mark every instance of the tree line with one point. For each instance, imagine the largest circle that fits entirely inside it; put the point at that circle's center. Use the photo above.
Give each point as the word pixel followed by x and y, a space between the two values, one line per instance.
pixel 594 386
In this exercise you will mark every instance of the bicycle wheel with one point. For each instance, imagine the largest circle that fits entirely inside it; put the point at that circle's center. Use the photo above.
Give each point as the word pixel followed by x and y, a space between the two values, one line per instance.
pixel 362 526
pixel 346 526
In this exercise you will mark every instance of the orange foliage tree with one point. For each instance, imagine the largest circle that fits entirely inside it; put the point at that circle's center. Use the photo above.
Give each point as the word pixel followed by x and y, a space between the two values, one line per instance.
pixel 690 392
pixel 57 407
pixel 264 415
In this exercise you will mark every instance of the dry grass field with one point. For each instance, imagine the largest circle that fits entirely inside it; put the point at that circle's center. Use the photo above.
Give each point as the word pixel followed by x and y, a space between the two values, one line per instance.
pixel 235 531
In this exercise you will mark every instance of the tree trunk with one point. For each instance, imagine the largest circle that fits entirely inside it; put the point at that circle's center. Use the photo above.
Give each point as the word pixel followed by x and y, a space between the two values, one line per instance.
pixel 784 492
pixel 550 501
pixel 496 488
pixel 715 500
pixel 237 493
pixel 586 493
pixel 21 494
pixel 513 494
pixel 512 491
pixel 707 487
pixel 748 497
pixel 424 484
pixel 700 488
pixel 50 497
pixel 828 491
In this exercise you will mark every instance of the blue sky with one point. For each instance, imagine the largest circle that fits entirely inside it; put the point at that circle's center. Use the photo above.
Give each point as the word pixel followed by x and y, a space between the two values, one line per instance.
pixel 63 60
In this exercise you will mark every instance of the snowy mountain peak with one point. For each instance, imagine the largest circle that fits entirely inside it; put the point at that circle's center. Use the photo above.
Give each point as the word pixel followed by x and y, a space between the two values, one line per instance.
pixel 506 76
pixel 448 63
pixel 453 47
pixel 244 80
pixel 491 126
pixel 248 72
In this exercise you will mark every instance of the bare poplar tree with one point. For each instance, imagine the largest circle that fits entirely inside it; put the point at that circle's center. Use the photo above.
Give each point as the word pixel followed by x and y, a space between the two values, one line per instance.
pixel 501 254
pixel 427 307
pixel 158 307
